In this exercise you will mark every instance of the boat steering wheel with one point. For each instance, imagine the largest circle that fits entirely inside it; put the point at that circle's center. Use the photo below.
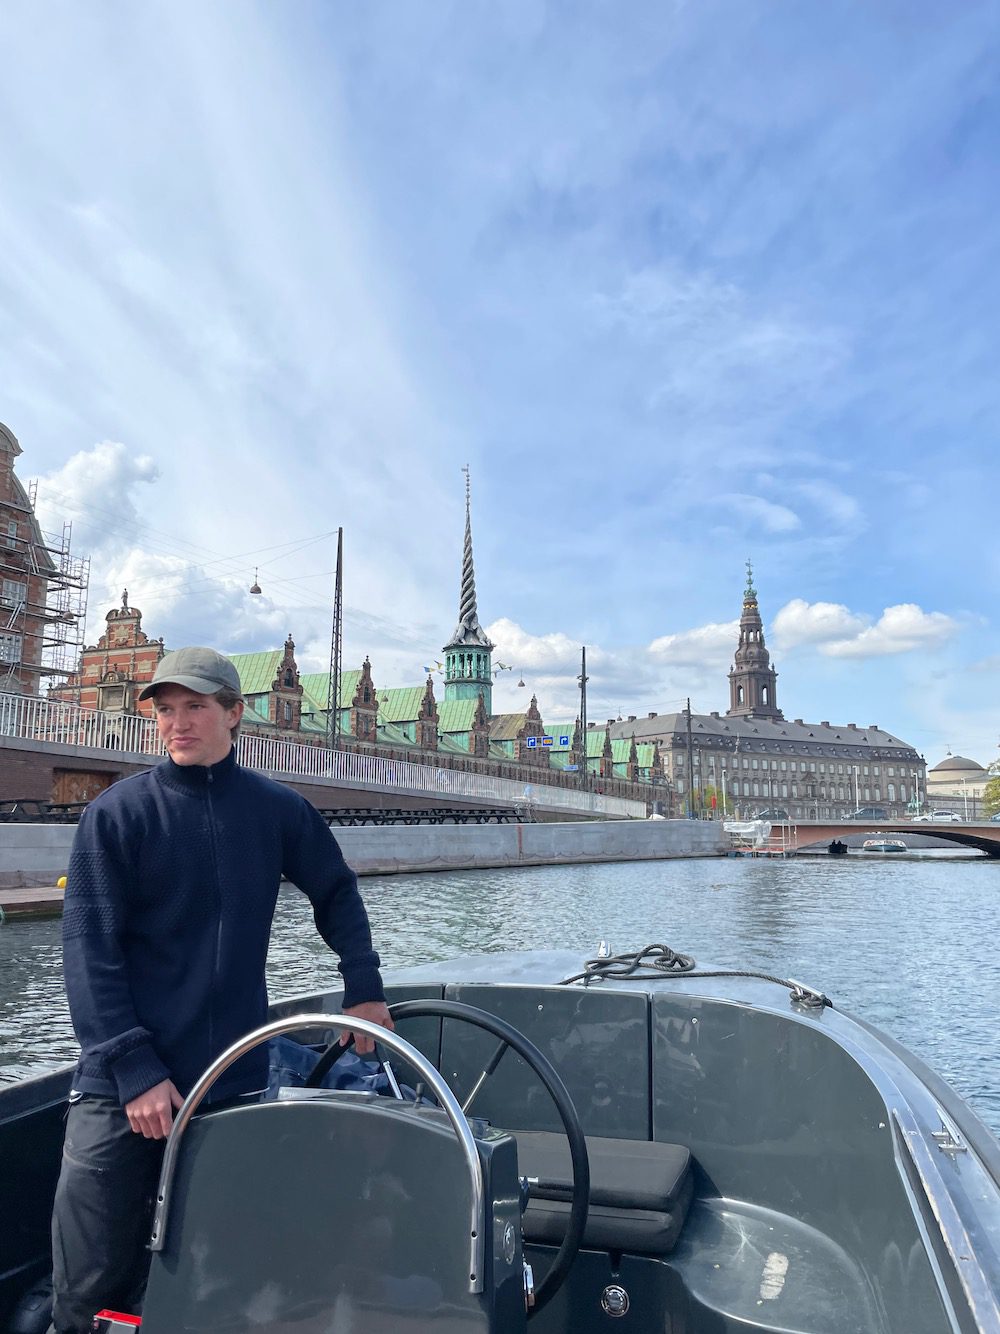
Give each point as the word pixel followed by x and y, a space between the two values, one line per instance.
pixel 546 1072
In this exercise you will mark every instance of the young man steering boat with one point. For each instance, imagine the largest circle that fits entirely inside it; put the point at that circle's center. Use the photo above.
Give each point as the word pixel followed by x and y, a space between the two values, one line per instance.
pixel 171 888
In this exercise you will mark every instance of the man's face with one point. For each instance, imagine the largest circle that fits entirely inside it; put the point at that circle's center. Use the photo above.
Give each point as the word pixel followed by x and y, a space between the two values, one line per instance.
pixel 194 728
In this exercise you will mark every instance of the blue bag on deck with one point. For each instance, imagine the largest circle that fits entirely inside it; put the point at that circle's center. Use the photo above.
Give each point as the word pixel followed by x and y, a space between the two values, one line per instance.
pixel 291 1064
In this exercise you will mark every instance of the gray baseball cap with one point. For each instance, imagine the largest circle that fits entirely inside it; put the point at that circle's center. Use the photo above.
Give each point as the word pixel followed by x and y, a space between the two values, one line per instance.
pixel 199 669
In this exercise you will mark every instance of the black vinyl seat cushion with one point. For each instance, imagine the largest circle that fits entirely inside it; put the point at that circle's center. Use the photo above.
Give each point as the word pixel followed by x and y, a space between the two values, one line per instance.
pixel 640 1192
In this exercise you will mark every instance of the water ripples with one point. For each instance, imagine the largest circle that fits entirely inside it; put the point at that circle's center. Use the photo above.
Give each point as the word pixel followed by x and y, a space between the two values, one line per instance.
pixel 907 944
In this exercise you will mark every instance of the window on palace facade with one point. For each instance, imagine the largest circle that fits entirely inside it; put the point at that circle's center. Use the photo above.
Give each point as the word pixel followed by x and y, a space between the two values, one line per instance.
pixel 756 789
pixel 784 789
pixel 891 791
pixel 902 791
pixel 878 794
pixel 875 771
pixel 746 789
pixel 755 764
pixel 10 647
pixel 288 711
pixel 865 771
pixel 12 591
pixel 11 533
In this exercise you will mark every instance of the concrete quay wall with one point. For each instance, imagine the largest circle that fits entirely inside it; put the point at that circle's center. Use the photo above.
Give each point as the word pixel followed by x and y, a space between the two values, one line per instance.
pixel 36 854
pixel 387 849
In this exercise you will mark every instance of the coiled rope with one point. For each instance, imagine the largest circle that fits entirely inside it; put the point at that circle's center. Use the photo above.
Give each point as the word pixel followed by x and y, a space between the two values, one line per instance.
pixel 653 962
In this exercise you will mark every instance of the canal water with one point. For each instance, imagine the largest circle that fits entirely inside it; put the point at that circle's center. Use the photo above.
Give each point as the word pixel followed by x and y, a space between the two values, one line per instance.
pixel 907 943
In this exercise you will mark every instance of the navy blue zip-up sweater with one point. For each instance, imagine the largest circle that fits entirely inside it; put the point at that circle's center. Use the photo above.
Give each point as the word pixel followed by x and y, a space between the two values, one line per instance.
pixel 171 887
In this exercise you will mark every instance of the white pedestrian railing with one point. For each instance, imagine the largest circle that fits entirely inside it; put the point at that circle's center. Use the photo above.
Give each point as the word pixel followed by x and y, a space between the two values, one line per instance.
pixel 32 719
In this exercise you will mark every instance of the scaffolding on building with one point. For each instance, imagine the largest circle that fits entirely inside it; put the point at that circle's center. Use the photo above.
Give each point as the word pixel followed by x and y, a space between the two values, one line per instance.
pixel 58 620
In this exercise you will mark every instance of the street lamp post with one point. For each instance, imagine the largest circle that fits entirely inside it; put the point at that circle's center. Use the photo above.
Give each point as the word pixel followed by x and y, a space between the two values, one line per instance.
pixel 723 772
pixel 857 799
pixel 965 798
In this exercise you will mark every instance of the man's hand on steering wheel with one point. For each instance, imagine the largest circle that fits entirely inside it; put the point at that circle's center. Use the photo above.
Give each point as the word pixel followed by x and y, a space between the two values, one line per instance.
pixel 376 1012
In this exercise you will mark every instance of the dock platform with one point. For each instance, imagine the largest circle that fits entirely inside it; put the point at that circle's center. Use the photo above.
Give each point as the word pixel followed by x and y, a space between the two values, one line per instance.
pixel 36 901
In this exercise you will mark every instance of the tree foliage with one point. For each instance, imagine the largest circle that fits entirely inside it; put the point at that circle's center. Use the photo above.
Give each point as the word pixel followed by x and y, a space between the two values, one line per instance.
pixel 991 792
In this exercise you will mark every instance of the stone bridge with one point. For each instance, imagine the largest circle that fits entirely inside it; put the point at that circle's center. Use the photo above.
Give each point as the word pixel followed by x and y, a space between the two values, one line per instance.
pixel 984 835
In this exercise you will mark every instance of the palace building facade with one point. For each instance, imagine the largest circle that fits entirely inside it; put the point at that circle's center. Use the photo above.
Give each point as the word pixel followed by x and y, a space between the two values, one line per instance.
pixel 751 758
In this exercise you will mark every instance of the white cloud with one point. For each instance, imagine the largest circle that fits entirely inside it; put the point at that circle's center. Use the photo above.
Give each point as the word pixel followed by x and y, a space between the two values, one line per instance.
pixel 184 603
pixel 801 622
pixel 95 489
pixel 710 645
pixel 899 629
pixel 623 680
pixel 841 633
pixel 755 511
pixel 520 649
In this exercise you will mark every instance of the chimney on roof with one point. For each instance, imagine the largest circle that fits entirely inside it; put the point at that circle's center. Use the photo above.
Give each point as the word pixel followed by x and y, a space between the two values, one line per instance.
pixel 853 726
pixel 715 713
pixel 652 715
pixel 873 727
pixel 631 717
pixel 611 722
pixel 824 723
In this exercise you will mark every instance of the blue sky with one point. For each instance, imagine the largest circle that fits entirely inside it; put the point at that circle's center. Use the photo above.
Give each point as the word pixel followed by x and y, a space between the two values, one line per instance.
pixel 682 283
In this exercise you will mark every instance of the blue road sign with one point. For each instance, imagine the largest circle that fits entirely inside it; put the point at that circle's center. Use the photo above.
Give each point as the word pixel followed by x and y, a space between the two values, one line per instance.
pixel 546 741
pixel 564 741
pixel 532 741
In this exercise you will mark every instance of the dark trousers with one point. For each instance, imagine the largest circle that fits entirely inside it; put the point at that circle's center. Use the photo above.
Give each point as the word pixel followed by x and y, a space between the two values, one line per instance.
pixel 102 1215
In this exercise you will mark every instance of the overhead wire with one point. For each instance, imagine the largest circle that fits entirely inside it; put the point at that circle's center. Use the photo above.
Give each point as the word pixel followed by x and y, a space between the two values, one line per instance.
pixel 162 543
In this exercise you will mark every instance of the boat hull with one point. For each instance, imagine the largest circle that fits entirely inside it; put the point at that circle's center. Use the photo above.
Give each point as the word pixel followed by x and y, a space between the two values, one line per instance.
pixel 838 1183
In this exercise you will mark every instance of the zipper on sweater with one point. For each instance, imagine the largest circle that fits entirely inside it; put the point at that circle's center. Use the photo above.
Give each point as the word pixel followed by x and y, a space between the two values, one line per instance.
pixel 218 920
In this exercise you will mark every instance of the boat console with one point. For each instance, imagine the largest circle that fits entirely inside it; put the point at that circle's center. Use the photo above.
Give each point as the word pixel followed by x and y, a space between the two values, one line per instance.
pixel 335 1209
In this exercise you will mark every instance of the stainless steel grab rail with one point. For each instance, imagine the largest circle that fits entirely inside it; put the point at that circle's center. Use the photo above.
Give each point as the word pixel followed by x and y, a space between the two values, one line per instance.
pixel 444 1095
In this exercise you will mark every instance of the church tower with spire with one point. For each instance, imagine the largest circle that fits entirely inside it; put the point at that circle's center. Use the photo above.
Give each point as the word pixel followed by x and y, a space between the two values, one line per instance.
pixel 468 667
pixel 752 680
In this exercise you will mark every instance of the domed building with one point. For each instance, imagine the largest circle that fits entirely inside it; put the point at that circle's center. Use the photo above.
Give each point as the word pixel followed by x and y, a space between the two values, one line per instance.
pixel 955 781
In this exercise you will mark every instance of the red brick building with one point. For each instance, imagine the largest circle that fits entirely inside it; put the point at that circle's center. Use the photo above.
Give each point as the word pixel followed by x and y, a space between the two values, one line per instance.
pixel 25 567
pixel 114 670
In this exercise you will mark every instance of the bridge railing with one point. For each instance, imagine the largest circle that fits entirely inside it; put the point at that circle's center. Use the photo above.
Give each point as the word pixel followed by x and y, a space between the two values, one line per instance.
pixel 32 719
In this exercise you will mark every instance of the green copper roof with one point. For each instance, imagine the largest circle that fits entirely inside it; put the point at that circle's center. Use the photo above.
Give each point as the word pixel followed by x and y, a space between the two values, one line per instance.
pixel 257 670
pixel 506 726
pixel 399 703
pixel 317 686
pixel 595 741
pixel 456 715
pixel 451 745
pixel 390 734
